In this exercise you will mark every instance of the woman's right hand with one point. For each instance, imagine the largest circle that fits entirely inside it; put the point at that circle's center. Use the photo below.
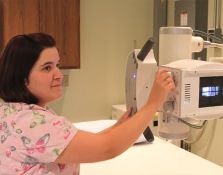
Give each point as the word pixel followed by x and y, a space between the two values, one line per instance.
pixel 162 86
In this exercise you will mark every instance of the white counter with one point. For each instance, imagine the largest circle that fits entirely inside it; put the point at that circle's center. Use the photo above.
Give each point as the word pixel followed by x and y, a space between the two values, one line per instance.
pixel 158 158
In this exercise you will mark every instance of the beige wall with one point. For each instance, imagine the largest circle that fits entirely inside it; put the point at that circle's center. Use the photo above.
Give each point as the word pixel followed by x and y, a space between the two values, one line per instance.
pixel 108 29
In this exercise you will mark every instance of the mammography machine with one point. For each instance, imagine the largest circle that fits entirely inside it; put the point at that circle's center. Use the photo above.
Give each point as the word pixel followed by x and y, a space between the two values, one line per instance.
pixel 198 95
pixel 199 84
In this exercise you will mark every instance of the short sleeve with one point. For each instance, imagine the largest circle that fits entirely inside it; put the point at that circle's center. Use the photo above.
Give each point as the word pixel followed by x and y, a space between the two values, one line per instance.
pixel 40 136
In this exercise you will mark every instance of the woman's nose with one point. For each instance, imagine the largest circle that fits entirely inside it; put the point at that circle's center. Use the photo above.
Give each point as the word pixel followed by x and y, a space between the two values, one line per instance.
pixel 58 74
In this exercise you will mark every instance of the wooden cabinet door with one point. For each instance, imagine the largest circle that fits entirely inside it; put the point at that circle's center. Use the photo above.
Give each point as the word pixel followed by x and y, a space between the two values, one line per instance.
pixel 60 18
pixel 18 17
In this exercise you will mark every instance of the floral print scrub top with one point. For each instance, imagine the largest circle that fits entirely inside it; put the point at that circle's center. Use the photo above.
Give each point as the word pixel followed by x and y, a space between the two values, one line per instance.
pixel 31 139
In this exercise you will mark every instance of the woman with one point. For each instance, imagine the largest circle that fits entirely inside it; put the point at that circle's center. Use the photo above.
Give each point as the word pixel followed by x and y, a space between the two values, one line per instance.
pixel 35 140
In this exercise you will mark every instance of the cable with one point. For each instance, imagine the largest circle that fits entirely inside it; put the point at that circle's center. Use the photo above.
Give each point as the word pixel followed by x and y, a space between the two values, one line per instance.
pixel 192 125
pixel 199 136
pixel 208 35
pixel 204 125
pixel 217 45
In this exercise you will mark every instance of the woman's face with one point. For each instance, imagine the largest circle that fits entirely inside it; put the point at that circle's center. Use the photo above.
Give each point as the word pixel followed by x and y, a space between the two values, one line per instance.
pixel 45 79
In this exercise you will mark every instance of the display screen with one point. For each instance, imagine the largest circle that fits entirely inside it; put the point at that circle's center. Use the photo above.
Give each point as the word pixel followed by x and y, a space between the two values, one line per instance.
pixel 211 93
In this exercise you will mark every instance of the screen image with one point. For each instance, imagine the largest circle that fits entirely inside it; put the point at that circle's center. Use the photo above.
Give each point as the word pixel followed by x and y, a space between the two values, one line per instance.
pixel 211 91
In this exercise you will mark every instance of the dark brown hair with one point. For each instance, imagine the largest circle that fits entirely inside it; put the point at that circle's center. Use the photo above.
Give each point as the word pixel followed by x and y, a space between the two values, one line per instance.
pixel 16 62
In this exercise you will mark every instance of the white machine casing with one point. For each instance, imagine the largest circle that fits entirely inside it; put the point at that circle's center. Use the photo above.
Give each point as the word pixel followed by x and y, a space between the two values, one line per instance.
pixel 185 102
pixel 140 73
pixel 178 43
pixel 139 79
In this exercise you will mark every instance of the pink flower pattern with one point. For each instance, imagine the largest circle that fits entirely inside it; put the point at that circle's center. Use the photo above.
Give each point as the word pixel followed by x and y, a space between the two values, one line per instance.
pixel 31 138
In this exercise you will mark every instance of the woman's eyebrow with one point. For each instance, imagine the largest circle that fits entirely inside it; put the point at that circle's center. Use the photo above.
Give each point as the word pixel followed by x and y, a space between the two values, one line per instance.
pixel 46 63
pixel 49 62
